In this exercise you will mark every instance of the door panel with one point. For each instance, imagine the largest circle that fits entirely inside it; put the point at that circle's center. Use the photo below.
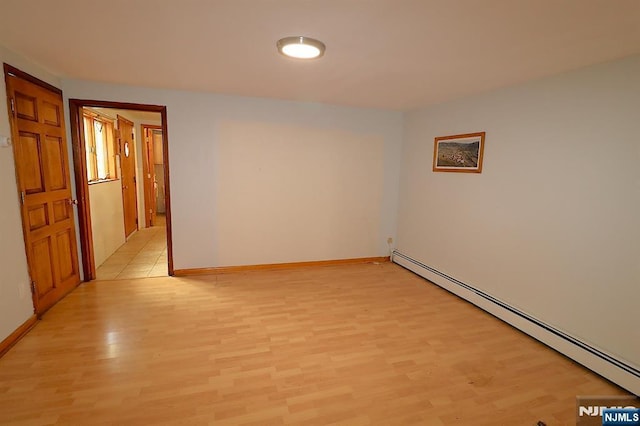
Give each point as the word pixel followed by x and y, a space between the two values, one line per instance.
pixel 38 217
pixel 54 157
pixel 26 107
pixel 30 172
pixel 128 179
pixel 51 113
pixel 43 266
pixel 42 167
pixel 65 261
pixel 60 211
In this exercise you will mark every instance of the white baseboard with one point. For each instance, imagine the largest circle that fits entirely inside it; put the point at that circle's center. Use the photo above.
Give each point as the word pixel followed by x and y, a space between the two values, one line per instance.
pixel 618 371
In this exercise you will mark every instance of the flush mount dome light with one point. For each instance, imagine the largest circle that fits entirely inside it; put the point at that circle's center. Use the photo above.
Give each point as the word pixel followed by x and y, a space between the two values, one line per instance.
pixel 300 47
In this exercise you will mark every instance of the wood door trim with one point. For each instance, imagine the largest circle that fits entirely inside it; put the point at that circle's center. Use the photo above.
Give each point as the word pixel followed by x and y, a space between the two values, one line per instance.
pixel 277 266
pixel 82 185
pixel 82 190
pixel 18 334
pixel 8 69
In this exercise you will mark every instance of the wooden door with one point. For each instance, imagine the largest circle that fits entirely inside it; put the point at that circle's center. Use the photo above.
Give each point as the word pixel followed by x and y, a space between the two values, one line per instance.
pixel 128 178
pixel 150 196
pixel 42 171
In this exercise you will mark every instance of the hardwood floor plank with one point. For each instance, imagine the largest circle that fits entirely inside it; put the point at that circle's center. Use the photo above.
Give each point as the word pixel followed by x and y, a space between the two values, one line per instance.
pixel 349 344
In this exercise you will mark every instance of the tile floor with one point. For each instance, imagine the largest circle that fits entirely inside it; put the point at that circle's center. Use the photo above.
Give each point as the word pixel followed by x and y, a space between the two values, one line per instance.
pixel 143 255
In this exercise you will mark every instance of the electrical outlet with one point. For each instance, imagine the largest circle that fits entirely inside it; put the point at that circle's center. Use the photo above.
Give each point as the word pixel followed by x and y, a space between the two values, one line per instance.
pixel 5 141
pixel 389 240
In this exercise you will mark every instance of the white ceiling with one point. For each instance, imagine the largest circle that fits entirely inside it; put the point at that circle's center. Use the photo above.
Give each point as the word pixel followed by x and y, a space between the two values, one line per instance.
pixel 393 54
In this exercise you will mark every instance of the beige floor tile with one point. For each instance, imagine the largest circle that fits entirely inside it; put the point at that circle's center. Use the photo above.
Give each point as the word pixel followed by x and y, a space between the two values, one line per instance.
pixel 129 250
pixel 159 271
pixel 144 254
pixel 143 267
pixel 117 268
pixel 118 259
pixel 144 259
pixel 151 251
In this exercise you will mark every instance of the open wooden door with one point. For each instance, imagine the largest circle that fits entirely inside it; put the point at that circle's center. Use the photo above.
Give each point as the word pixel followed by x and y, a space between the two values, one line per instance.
pixel 150 182
pixel 128 178
pixel 42 171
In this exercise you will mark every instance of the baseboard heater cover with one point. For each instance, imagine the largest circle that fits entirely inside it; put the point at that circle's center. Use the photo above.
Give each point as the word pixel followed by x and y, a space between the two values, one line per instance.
pixel 606 365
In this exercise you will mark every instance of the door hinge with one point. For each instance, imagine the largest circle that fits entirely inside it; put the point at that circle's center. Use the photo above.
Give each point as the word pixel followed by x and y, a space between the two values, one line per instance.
pixel 132 136
pixel 134 179
pixel 22 197
pixel 33 287
pixel 13 107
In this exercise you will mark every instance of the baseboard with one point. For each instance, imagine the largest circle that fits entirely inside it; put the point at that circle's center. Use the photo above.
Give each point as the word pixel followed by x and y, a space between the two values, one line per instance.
pixel 276 266
pixel 18 334
pixel 616 370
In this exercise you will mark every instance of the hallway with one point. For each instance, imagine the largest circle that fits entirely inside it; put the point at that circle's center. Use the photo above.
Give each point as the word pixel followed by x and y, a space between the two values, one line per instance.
pixel 143 255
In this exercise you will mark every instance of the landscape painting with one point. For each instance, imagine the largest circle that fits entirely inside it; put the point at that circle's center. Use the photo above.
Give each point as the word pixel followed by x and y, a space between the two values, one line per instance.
pixel 459 153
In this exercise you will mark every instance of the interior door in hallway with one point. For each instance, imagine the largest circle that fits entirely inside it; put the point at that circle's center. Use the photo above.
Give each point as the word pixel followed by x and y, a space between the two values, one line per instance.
pixel 150 185
pixel 42 171
pixel 128 175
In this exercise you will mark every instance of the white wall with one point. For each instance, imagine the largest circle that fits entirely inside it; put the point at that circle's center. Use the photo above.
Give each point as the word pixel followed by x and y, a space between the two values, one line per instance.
pixel 205 129
pixel 16 305
pixel 293 193
pixel 107 219
pixel 552 225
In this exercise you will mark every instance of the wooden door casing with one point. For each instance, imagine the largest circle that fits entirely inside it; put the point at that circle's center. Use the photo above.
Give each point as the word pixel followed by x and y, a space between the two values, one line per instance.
pixel 44 186
pixel 128 177
pixel 82 185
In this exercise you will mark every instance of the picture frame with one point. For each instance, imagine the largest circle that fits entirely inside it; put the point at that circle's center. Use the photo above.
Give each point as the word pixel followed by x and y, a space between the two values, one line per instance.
pixel 459 153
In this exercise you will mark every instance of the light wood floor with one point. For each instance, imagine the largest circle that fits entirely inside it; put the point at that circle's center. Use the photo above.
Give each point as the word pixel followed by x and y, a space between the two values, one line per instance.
pixel 143 255
pixel 352 345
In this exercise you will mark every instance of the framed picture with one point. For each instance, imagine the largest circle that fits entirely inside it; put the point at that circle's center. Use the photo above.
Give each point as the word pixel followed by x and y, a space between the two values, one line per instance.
pixel 459 153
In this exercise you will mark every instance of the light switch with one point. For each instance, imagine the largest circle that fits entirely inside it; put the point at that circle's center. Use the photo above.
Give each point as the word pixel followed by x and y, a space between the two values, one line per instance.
pixel 5 141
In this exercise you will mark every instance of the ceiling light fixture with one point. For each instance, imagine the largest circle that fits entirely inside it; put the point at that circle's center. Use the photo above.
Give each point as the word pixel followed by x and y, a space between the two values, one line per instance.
pixel 301 47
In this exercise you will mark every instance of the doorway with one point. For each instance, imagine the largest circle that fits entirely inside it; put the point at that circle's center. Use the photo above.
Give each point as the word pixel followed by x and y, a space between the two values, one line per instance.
pixel 152 153
pixel 142 246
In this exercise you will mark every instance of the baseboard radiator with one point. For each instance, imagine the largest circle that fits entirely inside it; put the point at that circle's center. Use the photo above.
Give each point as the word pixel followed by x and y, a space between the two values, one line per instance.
pixel 606 365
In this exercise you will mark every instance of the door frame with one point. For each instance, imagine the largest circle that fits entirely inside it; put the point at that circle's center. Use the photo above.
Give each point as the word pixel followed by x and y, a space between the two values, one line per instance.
pixel 146 168
pixel 82 184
